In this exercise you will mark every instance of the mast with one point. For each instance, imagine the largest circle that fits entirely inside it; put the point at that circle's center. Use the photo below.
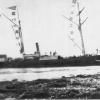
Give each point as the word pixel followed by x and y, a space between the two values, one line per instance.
pixel 20 34
pixel 80 27
pixel 21 38
pixel 78 24
pixel 15 20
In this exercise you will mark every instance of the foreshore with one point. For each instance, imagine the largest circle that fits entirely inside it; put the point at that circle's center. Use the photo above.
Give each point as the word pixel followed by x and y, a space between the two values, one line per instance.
pixel 74 87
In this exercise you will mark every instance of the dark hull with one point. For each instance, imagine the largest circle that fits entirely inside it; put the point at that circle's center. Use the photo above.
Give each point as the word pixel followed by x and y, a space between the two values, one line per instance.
pixel 61 62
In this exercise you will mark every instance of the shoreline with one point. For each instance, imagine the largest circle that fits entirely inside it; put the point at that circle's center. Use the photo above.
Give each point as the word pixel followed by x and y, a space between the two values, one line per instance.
pixel 74 87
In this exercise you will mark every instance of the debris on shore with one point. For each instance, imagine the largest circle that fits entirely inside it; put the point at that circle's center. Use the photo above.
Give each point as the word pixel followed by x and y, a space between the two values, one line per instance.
pixel 74 87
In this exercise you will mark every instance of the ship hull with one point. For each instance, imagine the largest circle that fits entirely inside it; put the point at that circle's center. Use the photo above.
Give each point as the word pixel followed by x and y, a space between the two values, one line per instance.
pixel 66 62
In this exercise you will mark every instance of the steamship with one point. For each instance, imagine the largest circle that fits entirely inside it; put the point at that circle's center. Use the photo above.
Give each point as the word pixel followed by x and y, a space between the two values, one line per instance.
pixel 37 60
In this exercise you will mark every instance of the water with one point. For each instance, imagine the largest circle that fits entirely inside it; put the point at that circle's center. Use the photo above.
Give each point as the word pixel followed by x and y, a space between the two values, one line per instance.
pixel 45 73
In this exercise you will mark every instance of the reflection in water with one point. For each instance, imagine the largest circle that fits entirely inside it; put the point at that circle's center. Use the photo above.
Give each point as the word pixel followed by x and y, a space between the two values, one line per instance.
pixel 47 73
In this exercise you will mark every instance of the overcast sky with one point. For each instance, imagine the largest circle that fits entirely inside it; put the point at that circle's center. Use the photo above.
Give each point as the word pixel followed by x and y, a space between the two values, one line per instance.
pixel 42 22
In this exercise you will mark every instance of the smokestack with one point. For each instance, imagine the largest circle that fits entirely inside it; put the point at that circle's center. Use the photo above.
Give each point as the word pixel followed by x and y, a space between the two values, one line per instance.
pixel 37 48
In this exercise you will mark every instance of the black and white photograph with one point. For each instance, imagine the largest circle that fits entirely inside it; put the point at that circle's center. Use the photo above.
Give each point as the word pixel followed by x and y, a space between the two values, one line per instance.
pixel 49 49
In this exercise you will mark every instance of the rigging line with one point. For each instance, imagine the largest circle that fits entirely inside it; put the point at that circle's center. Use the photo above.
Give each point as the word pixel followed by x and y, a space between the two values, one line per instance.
pixel 84 21
pixel 74 42
pixel 9 19
pixel 13 30
pixel 17 12
pixel 70 20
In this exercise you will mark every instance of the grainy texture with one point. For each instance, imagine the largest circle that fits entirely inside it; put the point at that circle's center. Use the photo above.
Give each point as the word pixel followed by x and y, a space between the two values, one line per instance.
pixel 75 87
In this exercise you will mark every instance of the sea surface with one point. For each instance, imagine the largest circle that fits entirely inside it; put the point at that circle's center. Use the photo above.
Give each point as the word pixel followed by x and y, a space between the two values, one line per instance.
pixel 29 74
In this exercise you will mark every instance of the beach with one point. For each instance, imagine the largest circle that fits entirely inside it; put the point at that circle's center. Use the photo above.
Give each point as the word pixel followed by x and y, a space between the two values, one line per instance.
pixel 50 83
pixel 75 87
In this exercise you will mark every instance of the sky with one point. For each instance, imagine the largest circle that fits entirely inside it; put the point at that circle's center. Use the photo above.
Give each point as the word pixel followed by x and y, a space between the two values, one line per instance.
pixel 42 22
